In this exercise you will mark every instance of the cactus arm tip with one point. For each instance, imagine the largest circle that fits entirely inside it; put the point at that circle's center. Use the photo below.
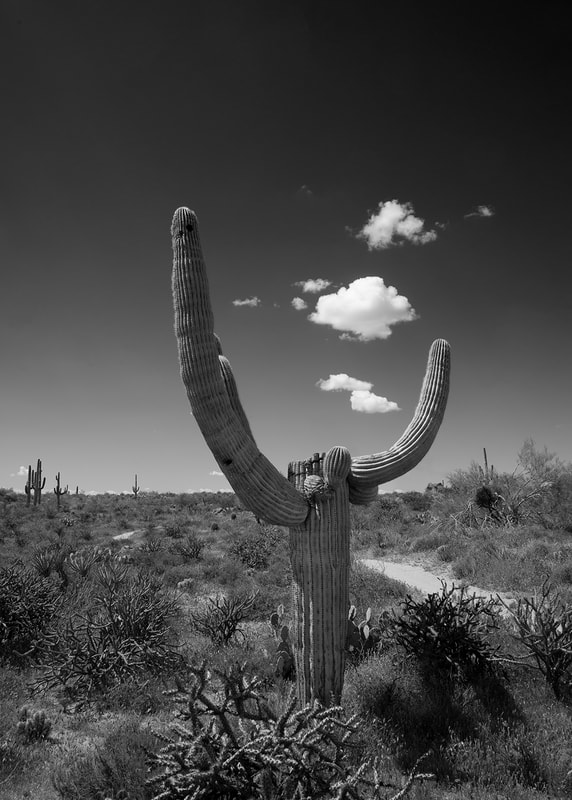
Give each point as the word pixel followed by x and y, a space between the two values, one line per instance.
pixel 412 446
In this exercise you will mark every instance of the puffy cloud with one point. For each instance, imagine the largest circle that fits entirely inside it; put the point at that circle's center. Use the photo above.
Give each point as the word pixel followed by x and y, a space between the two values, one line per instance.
pixel 362 398
pixel 216 473
pixel 481 211
pixel 365 310
pixel 249 301
pixel 343 382
pixel 299 304
pixel 22 472
pixel 393 223
pixel 371 403
pixel 313 285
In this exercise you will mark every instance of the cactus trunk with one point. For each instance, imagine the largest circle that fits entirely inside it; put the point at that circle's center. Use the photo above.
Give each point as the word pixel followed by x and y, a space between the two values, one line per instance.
pixel 320 557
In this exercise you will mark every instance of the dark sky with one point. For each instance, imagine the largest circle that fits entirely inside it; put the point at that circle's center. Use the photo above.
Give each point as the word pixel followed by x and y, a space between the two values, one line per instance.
pixel 285 125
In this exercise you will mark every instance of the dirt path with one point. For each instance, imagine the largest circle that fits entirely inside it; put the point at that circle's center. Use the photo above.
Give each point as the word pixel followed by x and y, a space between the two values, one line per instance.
pixel 426 581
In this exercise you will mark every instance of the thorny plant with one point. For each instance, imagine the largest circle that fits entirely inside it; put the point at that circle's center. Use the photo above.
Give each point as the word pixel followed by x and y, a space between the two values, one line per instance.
pixel 448 629
pixel 543 624
pixel 221 617
pixel 123 635
pixel 233 746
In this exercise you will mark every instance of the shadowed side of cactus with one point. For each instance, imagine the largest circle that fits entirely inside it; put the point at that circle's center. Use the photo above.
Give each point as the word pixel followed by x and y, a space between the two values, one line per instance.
pixel 314 500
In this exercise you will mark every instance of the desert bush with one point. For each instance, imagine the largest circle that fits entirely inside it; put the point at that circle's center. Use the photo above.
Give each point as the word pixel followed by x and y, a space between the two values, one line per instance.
pixel 28 605
pixel 238 747
pixel 123 633
pixel 543 626
pixel 221 617
pixel 81 561
pixel 190 548
pixel 448 632
pixel 416 501
pixel 115 769
pixel 253 550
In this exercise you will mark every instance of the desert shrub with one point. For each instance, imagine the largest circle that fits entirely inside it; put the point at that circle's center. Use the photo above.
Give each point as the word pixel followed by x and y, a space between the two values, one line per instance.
pixel 124 632
pixel 221 617
pixel 28 604
pixel 542 624
pixel 447 632
pixel 238 747
pixel 115 769
pixel 253 550
pixel 190 548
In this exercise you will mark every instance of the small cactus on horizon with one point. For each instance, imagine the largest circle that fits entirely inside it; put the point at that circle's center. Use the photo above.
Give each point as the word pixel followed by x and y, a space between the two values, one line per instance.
pixel 58 491
pixel 135 488
pixel 35 484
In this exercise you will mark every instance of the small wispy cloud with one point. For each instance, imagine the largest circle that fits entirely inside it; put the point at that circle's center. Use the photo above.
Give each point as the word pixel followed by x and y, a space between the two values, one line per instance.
pixel 313 285
pixel 299 304
pixel 394 223
pixel 481 211
pixel 252 302
pixel 216 473
pixel 362 398
pixel 22 472
pixel 365 310
pixel 305 190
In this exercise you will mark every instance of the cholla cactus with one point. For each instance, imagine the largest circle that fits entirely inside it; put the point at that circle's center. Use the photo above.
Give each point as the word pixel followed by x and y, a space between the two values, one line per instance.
pixel 314 500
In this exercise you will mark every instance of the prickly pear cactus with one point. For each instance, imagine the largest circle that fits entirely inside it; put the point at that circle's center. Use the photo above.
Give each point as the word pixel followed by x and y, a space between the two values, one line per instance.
pixel 313 501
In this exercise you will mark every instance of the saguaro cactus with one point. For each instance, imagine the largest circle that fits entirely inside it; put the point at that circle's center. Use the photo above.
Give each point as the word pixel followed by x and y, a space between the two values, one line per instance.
pixel 35 484
pixel 58 491
pixel 135 487
pixel 314 500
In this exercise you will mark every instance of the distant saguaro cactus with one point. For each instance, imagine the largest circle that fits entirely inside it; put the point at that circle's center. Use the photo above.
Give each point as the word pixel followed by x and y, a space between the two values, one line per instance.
pixel 58 491
pixel 314 500
pixel 35 484
pixel 135 488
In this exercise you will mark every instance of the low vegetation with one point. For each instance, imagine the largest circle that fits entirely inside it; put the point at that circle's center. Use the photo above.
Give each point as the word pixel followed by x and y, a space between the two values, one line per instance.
pixel 158 665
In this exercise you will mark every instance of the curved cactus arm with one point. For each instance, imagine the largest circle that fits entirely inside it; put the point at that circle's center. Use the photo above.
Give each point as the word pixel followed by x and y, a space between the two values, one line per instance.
pixel 407 452
pixel 214 405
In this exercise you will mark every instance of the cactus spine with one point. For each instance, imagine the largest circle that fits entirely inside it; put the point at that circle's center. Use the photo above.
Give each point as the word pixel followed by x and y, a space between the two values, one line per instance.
pixel 314 500
pixel 58 491
pixel 35 483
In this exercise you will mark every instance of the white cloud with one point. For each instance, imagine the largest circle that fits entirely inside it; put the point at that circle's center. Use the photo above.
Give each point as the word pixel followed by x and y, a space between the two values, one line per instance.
pixel 216 473
pixel 393 223
pixel 481 211
pixel 249 301
pixel 313 285
pixel 343 382
pixel 22 472
pixel 299 304
pixel 362 398
pixel 305 190
pixel 371 403
pixel 365 310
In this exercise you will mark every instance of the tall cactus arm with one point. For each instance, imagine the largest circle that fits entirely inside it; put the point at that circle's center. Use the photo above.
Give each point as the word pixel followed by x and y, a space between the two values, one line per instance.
pixel 407 452
pixel 212 391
